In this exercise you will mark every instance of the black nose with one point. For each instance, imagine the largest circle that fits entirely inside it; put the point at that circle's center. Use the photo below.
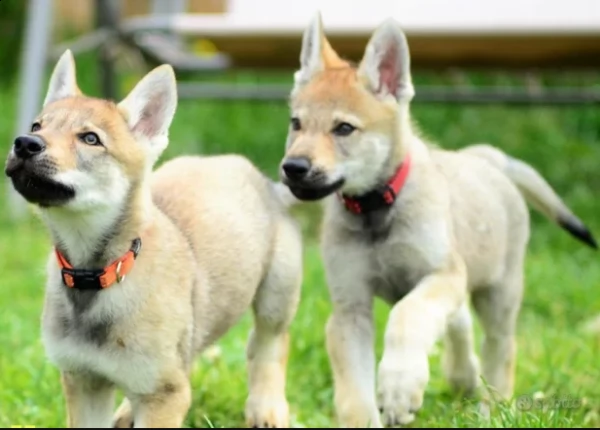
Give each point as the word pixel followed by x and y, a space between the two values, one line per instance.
pixel 296 168
pixel 27 146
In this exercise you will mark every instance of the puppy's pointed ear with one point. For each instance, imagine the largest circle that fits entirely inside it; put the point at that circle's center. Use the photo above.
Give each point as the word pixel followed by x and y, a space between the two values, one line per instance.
pixel 385 66
pixel 150 107
pixel 63 81
pixel 316 53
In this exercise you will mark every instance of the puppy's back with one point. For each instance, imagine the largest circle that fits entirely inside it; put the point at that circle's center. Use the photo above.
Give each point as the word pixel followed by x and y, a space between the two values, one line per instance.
pixel 220 198
pixel 230 214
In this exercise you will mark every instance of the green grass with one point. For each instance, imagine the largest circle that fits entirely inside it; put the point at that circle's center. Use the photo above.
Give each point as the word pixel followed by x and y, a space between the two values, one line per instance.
pixel 563 277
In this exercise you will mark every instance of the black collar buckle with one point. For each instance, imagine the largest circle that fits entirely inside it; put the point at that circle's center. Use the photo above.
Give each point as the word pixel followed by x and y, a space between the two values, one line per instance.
pixel 81 279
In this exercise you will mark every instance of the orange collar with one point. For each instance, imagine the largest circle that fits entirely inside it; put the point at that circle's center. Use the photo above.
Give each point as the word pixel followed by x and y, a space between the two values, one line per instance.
pixel 382 197
pixel 98 279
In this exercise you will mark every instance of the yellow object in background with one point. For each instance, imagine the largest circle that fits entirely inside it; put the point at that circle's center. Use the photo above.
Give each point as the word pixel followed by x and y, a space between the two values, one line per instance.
pixel 204 48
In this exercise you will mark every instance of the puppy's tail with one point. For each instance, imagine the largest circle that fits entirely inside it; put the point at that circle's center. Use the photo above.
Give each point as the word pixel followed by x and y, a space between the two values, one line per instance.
pixel 536 191
pixel 284 195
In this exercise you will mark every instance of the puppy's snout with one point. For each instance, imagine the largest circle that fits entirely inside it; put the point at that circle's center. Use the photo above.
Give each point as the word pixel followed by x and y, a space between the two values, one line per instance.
pixel 296 168
pixel 27 146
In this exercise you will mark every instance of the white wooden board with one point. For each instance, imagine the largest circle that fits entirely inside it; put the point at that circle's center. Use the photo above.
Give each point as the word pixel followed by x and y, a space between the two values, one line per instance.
pixel 468 17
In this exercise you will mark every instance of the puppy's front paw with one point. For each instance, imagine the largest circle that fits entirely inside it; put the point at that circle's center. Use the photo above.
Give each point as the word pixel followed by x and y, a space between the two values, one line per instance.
pixel 267 412
pixel 402 381
pixel 353 412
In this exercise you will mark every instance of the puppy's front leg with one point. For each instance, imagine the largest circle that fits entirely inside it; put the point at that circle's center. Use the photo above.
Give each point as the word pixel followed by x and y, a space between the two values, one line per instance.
pixel 415 324
pixel 351 353
pixel 89 400
pixel 123 418
pixel 167 407
pixel 350 335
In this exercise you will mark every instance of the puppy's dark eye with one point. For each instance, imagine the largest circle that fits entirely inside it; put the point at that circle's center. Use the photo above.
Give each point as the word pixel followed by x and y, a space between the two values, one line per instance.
pixel 295 122
pixel 90 139
pixel 343 129
pixel 35 127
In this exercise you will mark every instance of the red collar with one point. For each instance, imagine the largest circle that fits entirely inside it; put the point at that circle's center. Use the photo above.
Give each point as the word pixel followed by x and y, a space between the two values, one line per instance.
pixel 382 197
pixel 98 279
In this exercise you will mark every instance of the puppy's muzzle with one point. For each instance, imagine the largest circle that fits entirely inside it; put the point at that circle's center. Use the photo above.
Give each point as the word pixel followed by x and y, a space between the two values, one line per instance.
pixel 31 173
pixel 305 181
pixel 28 146
pixel 296 169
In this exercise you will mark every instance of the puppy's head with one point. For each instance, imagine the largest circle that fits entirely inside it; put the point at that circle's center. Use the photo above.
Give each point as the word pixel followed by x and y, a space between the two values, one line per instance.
pixel 83 153
pixel 345 120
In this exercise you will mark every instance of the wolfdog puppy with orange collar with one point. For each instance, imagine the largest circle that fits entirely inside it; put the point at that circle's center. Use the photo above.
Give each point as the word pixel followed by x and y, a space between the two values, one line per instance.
pixel 418 226
pixel 149 268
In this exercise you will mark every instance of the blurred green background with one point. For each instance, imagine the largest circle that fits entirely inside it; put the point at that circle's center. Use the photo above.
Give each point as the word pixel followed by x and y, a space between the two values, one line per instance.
pixel 563 277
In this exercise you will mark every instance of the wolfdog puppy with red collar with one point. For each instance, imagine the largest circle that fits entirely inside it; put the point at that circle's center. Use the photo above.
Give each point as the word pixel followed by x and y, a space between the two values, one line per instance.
pixel 420 227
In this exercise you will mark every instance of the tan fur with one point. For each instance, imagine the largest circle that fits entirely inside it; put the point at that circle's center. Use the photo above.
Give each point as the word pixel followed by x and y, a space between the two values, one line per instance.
pixel 458 230
pixel 216 241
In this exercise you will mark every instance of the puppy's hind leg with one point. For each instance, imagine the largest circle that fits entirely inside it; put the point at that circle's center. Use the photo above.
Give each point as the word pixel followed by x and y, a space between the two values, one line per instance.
pixel 275 306
pixel 461 365
pixel 498 308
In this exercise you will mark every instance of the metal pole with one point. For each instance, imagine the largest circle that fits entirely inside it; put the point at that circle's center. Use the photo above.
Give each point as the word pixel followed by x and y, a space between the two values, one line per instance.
pixel 32 70
pixel 107 17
